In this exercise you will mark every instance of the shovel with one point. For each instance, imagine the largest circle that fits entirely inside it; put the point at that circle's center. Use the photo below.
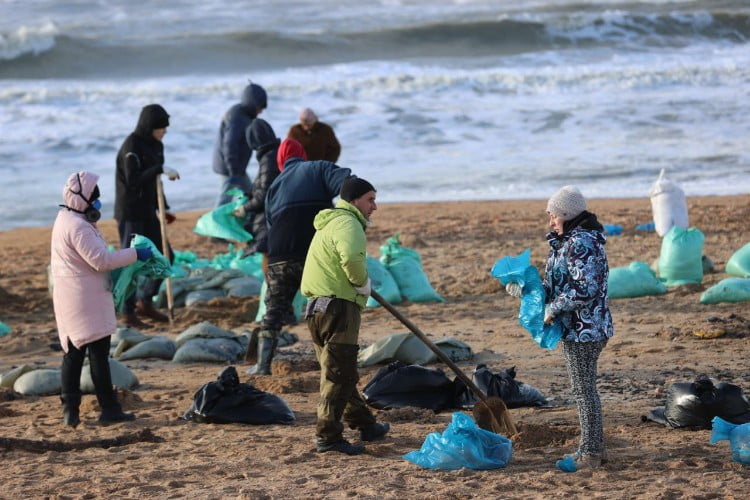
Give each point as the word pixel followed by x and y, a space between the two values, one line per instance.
pixel 494 410
pixel 164 243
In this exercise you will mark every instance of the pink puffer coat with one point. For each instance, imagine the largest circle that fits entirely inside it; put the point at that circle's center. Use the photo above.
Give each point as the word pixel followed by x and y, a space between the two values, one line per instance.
pixel 82 295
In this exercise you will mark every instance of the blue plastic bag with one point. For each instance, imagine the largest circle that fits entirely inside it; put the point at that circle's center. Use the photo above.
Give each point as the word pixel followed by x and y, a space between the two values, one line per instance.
pixel 405 265
pixel 125 279
pixel 613 229
pixel 382 282
pixel 531 313
pixel 221 223
pixel 738 436
pixel 463 444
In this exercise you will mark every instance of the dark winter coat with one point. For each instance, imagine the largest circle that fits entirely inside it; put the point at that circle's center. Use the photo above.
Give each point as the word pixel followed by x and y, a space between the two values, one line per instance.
pixel 575 282
pixel 320 141
pixel 261 139
pixel 302 190
pixel 139 161
pixel 231 151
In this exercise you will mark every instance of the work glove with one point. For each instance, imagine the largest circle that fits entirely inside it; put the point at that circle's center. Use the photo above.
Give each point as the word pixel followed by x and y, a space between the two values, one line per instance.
pixel 144 253
pixel 364 289
pixel 171 173
pixel 239 212
pixel 170 217
pixel 514 289
pixel 548 315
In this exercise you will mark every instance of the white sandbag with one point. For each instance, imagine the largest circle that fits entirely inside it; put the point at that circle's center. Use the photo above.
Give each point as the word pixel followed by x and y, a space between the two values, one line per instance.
pixel 216 350
pixel 39 382
pixel 246 286
pixel 155 347
pixel 9 378
pixel 122 377
pixel 197 296
pixel 668 204
pixel 204 329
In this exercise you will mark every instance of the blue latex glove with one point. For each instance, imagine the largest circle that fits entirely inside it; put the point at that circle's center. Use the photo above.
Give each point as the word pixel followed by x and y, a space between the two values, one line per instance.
pixel 144 253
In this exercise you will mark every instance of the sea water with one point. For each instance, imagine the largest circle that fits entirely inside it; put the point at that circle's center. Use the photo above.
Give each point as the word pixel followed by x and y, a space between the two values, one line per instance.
pixel 431 100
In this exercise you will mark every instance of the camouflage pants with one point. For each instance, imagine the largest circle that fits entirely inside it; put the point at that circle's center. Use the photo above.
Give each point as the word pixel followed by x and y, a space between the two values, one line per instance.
pixel 283 280
pixel 335 334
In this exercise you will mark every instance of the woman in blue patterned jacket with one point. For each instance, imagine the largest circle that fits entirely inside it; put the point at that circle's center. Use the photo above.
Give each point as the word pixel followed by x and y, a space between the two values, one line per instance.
pixel 575 282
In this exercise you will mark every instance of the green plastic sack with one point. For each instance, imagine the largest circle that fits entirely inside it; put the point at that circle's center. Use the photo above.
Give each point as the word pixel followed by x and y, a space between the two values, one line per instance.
pixel 220 223
pixel 739 263
pixel 125 278
pixel 680 261
pixel 382 282
pixel 405 265
pixel 727 290
pixel 298 304
pixel 4 329
pixel 635 280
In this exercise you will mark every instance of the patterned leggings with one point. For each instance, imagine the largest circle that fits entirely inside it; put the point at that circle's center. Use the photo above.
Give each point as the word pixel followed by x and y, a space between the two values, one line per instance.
pixel 580 360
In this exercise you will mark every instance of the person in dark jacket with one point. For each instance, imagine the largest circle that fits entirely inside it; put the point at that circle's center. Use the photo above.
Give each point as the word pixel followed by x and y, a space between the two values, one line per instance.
pixel 316 137
pixel 139 161
pixel 261 139
pixel 231 151
pixel 294 199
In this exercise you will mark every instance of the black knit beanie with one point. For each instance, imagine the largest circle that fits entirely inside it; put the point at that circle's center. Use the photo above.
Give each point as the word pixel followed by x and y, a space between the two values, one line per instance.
pixel 353 187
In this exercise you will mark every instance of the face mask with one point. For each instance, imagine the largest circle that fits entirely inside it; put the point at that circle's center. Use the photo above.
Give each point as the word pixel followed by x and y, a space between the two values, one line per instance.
pixel 92 212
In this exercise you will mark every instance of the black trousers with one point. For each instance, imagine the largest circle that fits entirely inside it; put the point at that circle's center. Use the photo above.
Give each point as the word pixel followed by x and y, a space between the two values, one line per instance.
pixel 151 229
pixel 98 359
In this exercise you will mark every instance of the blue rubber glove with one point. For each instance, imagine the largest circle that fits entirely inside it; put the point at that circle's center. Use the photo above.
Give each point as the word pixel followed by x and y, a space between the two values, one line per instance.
pixel 144 253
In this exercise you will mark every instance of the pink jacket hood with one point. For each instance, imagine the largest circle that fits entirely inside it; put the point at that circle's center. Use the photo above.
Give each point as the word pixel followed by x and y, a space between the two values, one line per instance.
pixel 80 182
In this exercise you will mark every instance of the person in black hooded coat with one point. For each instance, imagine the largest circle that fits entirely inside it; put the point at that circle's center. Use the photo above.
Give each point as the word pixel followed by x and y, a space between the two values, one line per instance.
pixel 261 139
pixel 139 161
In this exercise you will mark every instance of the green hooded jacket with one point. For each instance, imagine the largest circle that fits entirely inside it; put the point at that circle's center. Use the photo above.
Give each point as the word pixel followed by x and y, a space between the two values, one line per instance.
pixel 337 259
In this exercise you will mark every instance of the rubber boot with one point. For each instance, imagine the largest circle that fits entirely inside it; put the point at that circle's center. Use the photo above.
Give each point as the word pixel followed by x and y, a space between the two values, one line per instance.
pixel 111 409
pixel 71 402
pixel 267 342
pixel 146 308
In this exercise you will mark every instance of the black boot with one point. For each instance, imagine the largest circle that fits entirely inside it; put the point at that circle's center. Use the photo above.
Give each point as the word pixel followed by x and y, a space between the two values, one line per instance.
pixel 111 410
pixel 340 446
pixel 374 432
pixel 266 349
pixel 71 402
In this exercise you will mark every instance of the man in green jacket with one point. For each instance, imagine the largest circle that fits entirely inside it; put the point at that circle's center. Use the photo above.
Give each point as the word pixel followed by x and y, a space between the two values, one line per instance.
pixel 336 284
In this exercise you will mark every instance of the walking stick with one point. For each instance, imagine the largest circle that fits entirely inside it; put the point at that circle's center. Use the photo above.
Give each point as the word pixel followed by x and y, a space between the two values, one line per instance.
pixel 165 244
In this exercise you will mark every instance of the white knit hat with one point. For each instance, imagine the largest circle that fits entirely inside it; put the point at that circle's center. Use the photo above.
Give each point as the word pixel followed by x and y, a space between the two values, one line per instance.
pixel 567 203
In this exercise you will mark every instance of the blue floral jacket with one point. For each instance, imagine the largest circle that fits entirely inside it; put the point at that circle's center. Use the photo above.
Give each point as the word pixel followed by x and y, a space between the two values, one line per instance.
pixel 575 283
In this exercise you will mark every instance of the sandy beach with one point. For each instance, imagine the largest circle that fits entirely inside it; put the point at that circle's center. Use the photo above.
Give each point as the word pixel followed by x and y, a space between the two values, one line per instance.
pixel 654 346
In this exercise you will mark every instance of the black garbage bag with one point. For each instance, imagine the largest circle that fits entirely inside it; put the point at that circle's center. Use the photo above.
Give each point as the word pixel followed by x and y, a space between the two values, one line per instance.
pixel 695 404
pixel 398 385
pixel 504 385
pixel 228 401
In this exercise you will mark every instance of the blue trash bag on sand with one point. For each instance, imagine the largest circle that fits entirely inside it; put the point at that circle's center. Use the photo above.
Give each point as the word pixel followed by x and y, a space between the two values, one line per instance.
pixel 463 444
pixel 531 313
pixel 737 435
pixel 739 263
pixel 635 280
pixel 681 257
pixel 727 290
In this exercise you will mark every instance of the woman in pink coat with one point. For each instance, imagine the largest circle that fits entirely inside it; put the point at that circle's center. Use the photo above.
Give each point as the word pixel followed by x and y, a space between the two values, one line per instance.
pixel 82 296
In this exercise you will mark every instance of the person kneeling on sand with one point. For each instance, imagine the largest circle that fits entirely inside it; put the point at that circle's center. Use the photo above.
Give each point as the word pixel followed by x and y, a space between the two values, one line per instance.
pixel 336 283
pixel 82 296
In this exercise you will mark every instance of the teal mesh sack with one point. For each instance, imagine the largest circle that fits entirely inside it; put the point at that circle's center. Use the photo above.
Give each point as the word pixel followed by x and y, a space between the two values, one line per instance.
pixel 635 280
pixel 727 290
pixel 382 282
pixel 739 263
pixel 681 257
pixel 125 279
pixel 531 312
pixel 405 265
pixel 220 223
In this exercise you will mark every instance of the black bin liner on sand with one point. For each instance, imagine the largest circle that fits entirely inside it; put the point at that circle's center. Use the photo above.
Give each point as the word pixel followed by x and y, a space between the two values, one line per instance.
pixel 228 401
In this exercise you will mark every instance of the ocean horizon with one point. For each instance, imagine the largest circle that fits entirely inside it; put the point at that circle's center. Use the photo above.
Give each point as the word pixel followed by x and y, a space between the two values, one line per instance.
pixel 432 101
